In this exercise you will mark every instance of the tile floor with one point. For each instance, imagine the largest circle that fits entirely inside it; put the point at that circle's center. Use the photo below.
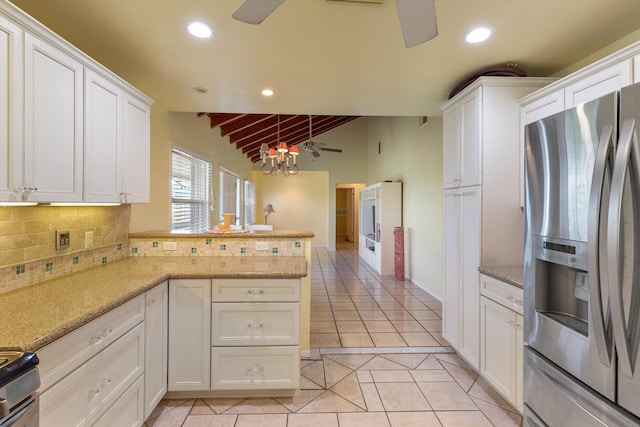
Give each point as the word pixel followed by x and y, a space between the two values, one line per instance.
pixel 378 359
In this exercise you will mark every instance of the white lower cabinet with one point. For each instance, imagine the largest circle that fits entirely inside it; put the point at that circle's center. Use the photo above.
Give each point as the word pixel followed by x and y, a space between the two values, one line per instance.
pixel 156 346
pixel 501 341
pixel 189 335
pixel 127 411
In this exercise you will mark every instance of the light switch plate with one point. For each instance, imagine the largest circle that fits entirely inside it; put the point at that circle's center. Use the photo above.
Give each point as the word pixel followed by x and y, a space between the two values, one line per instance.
pixel 88 239
pixel 62 239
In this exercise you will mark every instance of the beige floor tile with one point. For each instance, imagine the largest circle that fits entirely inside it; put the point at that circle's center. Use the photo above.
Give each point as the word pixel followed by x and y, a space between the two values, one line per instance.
pixel 413 419
pixel 408 325
pixel 307 384
pixel 379 363
pixel 353 361
pixel 339 306
pixel 334 372
pixel 384 339
pixel 349 388
pixel 321 315
pixel 454 359
pixel 463 419
pixel 447 396
pixel 370 419
pixel 402 397
pixel 201 408
pixel 430 375
pixel 256 405
pixel 210 421
pixel 315 372
pixel 346 315
pixel 434 305
pixel 372 315
pixel 356 339
pixel 419 339
pixel 221 404
pixel 401 314
pixel 393 376
pixel 432 325
pixel 483 391
pixel 350 326
pixel 498 416
pixel 329 402
pixel 364 377
pixel 321 306
pixel 170 412
pixel 371 397
pixel 438 336
pixel 464 377
pixel 424 315
pixel 409 360
pixel 325 340
pixel 296 402
pixel 262 420
pixel 323 327
pixel 379 326
pixel 313 420
pixel 431 362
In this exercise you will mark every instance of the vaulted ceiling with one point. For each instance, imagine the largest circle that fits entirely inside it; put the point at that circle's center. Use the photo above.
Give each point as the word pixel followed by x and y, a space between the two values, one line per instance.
pixel 249 131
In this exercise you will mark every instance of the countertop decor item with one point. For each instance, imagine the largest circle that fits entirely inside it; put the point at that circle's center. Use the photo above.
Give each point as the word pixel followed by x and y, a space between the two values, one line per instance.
pixel 225 225
pixel 267 210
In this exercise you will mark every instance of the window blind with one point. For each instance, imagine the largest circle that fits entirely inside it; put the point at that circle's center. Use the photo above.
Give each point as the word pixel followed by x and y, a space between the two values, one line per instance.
pixel 190 192
pixel 249 203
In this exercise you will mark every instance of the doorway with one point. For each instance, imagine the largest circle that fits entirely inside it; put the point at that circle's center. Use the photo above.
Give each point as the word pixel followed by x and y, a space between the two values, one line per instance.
pixel 347 212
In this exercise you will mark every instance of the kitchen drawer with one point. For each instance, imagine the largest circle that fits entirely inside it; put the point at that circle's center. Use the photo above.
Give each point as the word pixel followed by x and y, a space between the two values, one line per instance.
pixel 70 351
pixel 503 293
pixel 82 396
pixel 127 411
pixel 255 368
pixel 255 290
pixel 234 324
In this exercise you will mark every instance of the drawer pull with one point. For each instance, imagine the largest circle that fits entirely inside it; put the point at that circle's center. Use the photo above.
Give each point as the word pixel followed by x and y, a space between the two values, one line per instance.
pixel 255 370
pixel 93 393
pixel 255 291
pixel 151 302
pixel 256 325
pixel 105 382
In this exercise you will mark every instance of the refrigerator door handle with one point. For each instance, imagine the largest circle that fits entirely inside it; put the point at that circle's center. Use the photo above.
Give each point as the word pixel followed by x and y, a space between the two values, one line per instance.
pixel 596 277
pixel 613 247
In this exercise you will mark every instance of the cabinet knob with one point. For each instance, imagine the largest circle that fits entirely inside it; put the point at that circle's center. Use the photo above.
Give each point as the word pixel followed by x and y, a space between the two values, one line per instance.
pixel 255 325
pixel 255 370
pixel 255 291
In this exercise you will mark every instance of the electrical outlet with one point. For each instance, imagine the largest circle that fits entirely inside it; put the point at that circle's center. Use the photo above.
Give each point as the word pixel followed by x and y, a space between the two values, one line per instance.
pixel 262 246
pixel 88 239
pixel 62 239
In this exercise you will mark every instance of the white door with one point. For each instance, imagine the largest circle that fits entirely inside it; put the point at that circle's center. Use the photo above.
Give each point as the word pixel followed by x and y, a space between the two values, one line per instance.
pixel 53 122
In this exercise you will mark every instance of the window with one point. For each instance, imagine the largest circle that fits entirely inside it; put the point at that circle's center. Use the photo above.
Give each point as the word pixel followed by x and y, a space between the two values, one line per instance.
pixel 190 192
pixel 230 194
pixel 249 202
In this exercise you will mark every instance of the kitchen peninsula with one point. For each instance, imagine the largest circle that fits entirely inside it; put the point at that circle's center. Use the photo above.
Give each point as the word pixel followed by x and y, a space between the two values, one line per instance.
pixel 241 301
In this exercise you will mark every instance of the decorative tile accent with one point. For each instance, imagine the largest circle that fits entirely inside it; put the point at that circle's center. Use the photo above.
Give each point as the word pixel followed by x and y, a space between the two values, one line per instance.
pixel 223 247
pixel 243 250
pixel 48 267
pixel 297 244
pixel 134 250
pixel 119 247
pixel 20 269
pixel 194 250
pixel 104 259
pixel 77 259
pixel 207 241
pixel 274 250
pixel 154 244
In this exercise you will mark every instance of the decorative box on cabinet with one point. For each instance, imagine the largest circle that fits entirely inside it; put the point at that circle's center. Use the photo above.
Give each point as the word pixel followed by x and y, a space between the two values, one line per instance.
pixel 501 340
pixel 482 221
pixel 255 327
pixel 380 213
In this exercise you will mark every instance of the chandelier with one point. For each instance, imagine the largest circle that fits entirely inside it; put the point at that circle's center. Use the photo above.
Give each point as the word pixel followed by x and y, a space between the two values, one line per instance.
pixel 282 159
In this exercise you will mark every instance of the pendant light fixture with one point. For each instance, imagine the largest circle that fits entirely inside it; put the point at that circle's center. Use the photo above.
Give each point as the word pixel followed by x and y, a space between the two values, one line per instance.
pixel 280 159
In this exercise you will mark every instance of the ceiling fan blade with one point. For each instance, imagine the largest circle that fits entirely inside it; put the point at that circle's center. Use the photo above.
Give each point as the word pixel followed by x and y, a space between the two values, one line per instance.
pixel 417 20
pixel 255 11
pixel 333 150
pixel 315 153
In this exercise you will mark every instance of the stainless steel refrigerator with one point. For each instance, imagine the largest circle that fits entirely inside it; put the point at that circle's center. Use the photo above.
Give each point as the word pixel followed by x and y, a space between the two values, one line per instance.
pixel 582 265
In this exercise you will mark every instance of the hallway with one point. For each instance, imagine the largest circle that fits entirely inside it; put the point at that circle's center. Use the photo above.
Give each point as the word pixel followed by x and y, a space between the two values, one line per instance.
pixel 377 359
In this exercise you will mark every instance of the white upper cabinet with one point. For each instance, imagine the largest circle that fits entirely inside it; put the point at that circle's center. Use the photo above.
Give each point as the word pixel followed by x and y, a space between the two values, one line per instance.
pixel 10 109
pixel 462 161
pixel 70 130
pixel 53 106
pixel 103 139
pixel 599 83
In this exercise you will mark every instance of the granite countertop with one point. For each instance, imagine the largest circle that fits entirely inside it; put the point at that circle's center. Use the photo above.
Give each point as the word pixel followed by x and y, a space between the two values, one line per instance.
pixel 511 275
pixel 36 315
pixel 258 234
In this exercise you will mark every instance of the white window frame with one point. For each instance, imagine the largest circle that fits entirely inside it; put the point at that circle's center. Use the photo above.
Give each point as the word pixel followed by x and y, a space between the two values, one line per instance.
pixel 249 202
pixel 195 204
pixel 238 189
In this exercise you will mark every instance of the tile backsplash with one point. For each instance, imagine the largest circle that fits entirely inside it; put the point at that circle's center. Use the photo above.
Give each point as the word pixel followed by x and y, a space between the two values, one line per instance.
pixel 27 241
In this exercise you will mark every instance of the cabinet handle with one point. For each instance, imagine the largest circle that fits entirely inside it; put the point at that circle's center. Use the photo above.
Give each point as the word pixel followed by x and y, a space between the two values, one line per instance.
pixel 255 291
pixel 105 382
pixel 94 392
pixel 255 370
pixel 151 302
pixel 255 325
pixel 107 332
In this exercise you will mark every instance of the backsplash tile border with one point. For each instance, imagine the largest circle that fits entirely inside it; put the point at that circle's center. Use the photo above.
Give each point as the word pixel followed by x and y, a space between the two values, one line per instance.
pixel 191 246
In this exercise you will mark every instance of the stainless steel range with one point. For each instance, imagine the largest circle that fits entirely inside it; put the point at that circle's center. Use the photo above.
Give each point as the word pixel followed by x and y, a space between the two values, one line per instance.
pixel 19 382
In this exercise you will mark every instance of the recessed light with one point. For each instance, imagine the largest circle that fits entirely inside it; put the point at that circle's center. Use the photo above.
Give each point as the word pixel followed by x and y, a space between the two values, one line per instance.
pixel 478 35
pixel 267 92
pixel 200 90
pixel 200 30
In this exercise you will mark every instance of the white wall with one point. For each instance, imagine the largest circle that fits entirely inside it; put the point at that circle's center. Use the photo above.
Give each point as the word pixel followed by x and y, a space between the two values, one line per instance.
pixel 413 154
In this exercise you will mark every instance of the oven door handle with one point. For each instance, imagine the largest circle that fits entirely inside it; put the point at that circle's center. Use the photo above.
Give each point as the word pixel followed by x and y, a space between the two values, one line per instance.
pixel 613 246
pixel 596 278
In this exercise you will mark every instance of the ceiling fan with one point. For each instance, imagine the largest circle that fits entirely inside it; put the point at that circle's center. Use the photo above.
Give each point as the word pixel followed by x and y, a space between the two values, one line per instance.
pixel 313 146
pixel 417 17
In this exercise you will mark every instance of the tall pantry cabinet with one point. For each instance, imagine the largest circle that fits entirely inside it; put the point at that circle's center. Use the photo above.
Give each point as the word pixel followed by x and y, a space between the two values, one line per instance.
pixel 482 219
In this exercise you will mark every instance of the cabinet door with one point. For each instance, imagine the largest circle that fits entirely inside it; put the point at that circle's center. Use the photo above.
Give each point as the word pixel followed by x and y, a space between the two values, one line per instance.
pixel 598 84
pixel 470 148
pixel 469 293
pixel 156 347
pixel 103 139
pixel 53 122
pixel 519 362
pixel 451 298
pixel 451 146
pixel 136 170
pixel 11 138
pixel 189 334
pixel 498 338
